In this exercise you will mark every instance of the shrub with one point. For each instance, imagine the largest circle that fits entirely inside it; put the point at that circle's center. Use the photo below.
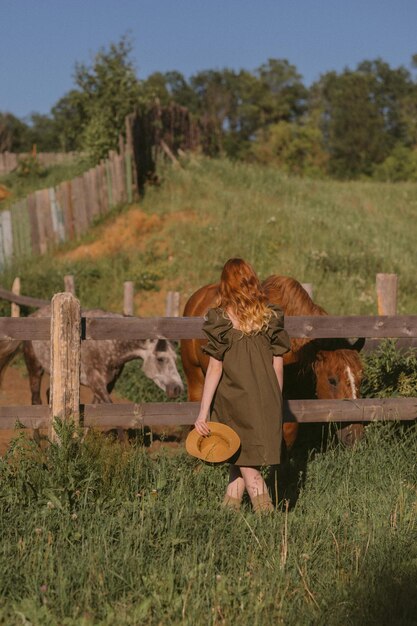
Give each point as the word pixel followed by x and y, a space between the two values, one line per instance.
pixel 389 372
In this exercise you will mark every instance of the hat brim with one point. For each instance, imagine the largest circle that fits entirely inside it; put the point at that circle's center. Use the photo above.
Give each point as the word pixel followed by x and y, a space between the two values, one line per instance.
pixel 222 443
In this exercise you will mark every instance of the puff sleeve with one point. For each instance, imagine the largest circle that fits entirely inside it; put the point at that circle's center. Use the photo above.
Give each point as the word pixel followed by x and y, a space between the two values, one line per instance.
pixel 278 337
pixel 216 328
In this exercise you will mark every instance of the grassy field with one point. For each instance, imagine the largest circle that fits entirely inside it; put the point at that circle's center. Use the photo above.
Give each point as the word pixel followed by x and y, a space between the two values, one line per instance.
pixel 335 235
pixel 96 533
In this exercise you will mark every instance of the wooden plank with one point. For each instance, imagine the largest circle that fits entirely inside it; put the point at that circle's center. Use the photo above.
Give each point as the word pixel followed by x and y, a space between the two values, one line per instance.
pixel 2 255
pixel 57 216
pixel 15 308
pixel 109 184
pixel 128 170
pixel 152 328
pixel 7 234
pixel 69 284
pixel 128 297
pixel 103 187
pixel 25 300
pixel 328 326
pixel 185 413
pixel 302 411
pixel 31 416
pixel 15 212
pixel 65 360
pixel 386 289
pixel 65 195
pixel 22 328
pixel 84 218
pixel 95 206
pixel 87 197
pixel 325 326
pixel 43 211
pixel 33 223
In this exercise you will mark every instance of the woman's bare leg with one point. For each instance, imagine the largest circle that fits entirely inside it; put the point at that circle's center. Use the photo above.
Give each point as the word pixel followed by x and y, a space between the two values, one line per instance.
pixel 235 489
pixel 257 489
pixel 236 486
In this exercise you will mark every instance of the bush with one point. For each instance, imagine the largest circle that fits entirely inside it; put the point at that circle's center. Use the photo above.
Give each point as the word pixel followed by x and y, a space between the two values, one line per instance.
pixel 389 372
pixel 400 165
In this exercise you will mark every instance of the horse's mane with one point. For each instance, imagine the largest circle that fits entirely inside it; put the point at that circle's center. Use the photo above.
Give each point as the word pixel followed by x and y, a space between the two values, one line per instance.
pixel 290 296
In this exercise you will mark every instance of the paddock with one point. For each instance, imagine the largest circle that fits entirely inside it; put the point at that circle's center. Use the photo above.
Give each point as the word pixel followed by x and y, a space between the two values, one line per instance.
pixel 68 328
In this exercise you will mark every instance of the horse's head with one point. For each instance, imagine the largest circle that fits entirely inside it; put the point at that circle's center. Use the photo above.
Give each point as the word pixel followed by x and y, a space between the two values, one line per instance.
pixel 159 364
pixel 338 369
pixel 338 374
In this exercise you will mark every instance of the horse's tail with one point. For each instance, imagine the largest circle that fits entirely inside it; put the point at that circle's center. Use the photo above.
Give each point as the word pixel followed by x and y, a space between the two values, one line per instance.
pixel 8 349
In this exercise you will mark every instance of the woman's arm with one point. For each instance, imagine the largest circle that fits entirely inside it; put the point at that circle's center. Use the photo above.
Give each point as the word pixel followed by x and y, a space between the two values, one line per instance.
pixel 213 375
pixel 278 363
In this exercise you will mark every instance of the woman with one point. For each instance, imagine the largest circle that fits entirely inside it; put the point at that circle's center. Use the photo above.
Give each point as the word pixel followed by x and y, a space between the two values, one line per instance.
pixel 246 341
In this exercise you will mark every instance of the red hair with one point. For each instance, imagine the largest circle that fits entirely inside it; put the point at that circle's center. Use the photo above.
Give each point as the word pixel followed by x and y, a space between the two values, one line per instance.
pixel 241 292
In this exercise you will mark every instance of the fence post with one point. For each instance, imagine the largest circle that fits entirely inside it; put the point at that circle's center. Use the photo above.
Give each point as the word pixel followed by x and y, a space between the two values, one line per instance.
pixel 69 284
pixel 173 304
pixel 386 291
pixel 128 292
pixel 65 360
pixel 15 308
pixel 308 287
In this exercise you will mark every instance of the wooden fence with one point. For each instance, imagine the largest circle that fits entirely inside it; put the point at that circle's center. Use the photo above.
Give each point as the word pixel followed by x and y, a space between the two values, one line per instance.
pixel 68 328
pixel 10 160
pixel 48 217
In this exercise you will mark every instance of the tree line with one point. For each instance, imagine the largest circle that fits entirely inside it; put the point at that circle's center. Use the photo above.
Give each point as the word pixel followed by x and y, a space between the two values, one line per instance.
pixel 360 122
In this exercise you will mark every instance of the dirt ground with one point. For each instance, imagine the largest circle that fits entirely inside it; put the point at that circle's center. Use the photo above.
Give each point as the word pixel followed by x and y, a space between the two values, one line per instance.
pixel 15 390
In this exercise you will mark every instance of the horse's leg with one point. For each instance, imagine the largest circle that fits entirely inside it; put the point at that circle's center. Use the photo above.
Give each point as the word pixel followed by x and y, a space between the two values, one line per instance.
pixel 35 372
pixel 98 386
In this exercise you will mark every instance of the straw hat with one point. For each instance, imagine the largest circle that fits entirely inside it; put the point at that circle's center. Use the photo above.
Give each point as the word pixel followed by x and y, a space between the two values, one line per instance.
pixel 219 446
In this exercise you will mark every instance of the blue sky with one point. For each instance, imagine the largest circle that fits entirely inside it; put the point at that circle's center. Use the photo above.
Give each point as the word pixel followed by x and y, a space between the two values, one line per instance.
pixel 41 40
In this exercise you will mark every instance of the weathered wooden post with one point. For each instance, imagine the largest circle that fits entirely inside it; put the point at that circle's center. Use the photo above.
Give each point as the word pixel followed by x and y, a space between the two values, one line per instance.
pixel 308 287
pixel 128 294
pixel 65 360
pixel 173 304
pixel 15 308
pixel 69 284
pixel 386 291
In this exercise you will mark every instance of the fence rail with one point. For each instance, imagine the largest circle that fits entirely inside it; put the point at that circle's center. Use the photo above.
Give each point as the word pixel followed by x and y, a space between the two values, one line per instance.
pixel 69 328
pixel 109 416
pixel 311 327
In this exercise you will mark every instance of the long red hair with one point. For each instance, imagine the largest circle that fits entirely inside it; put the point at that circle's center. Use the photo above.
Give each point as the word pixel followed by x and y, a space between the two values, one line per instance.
pixel 241 292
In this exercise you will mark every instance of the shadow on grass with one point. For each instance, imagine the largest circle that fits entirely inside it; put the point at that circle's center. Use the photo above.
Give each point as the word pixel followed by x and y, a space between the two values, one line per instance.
pixel 384 592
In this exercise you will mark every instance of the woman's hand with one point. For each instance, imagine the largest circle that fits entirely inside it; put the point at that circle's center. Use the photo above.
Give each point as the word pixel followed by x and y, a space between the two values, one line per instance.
pixel 213 375
pixel 201 425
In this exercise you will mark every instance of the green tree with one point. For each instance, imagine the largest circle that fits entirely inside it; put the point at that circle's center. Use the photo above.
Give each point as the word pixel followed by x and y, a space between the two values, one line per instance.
pixel 109 91
pixel 14 134
pixel 70 115
pixel 43 133
pixel 353 126
pixel 294 147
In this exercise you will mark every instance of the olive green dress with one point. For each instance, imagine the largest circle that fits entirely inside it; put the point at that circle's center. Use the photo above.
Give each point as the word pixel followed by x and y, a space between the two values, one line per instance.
pixel 248 397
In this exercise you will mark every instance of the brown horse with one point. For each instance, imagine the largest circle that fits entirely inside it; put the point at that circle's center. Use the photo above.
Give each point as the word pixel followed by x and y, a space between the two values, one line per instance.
pixel 319 368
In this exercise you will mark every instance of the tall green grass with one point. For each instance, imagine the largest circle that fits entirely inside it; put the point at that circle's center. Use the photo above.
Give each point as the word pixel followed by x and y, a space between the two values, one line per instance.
pixel 21 186
pixel 335 235
pixel 96 533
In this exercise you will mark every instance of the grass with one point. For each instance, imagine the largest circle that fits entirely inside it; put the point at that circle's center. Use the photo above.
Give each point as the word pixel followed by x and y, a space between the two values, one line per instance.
pixel 21 186
pixel 336 235
pixel 95 533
